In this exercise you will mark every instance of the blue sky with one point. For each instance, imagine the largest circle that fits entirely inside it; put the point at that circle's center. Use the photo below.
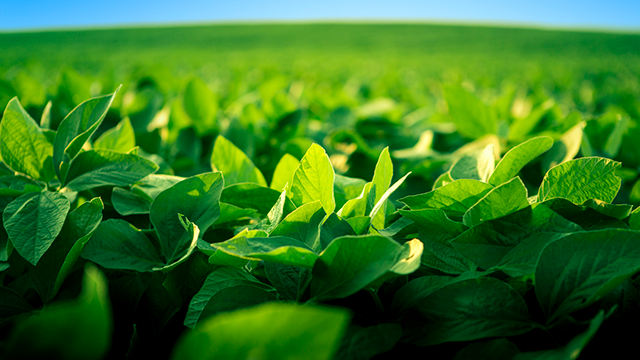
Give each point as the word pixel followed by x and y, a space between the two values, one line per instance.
pixel 36 14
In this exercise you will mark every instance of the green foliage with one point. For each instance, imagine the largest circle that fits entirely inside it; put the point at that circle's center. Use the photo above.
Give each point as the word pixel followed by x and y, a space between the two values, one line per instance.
pixel 515 237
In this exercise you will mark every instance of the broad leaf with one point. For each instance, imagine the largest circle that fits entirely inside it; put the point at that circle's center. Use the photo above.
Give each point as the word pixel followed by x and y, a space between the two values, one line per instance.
pixel 581 268
pixel 303 224
pixel 519 156
pixel 254 196
pixel 284 171
pixel 76 128
pixel 116 244
pixel 198 199
pixel 290 281
pixel 454 198
pixel 279 249
pixel 565 149
pixel 94 168
pixel 467 310
pixel 33 221
pixel 487 243
pixel 226 289
pixel 234 164
pixel 581 180
pixel 120 138
pixel 380 184
pixel 313 180
pixel 478 165
pixel 350 263
pixel 127 203
pixel 502 200
pixel 56 264
pixel 273 330
pixel 364 343
pixel 24 147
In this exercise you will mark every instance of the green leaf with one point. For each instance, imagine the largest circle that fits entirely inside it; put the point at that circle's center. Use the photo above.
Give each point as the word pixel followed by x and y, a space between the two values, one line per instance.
pixel 56 264
pixel 76 128
pixel 581 180
pixel 313 180
pixel 120 138
pixel 96 168
pixel 33 221
pixel 254 196
pixel 436 231
pixel 226 289
pixel 634 219
pixel 523 258
pixel 78 329
pixel 230 213
pixel 364 343
pixel 346 188
pixel 502 200
pixel 565 149
pixel 472 117
pixel 380 184
pixel 279 249
pixel 116 244
pixel 234 164
pixel 334 227
pixel 152 185
pixel 24 147
pixel 418 289
pixel 290 281
pixel 360 205
pixel 467 310
pixel 519 156
pixel 127 203
pixel 454 198
pixel 201 104
pixel 284 171
pixel 572 350
pixel 269 331
pixel 350 263
pixel 13 186
pixel 303 224
pixel 581 268
pixel 197 198
pixel 12 304
pixel 487 243
pixel 521 127
pixel 274 216
pixel 381 204
pixel 359 224
pixel 478 165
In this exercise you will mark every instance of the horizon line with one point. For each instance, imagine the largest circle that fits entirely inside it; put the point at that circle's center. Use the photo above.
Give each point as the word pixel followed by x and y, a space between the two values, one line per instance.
pixel 346 21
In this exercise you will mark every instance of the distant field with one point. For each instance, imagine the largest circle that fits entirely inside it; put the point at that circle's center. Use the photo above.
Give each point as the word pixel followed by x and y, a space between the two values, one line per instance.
pixel 428 48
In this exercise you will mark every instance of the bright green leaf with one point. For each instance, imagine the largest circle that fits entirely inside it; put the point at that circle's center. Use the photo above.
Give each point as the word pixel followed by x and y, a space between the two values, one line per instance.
pixel 120 138
pixel 516 158
pixel 313 180
pixel 234 164
pixel 502 200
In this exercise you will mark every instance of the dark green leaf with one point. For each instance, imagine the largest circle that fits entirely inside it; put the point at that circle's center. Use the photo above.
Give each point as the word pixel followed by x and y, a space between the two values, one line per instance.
pixel 498 349
pixel 76 128
pixel 197 198
pixel 303 224
pixel 502 200
pixel 56 264
pixel 581 268
pixel 96 168
pixel 454 198
pixel 33 221
pixel 467 310
pixel 364 343
pixel 127 203
pixel 253 196
pixel 116 244
pixel 226 289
